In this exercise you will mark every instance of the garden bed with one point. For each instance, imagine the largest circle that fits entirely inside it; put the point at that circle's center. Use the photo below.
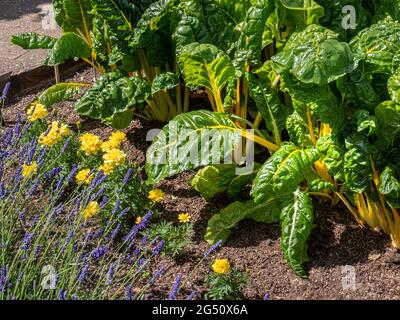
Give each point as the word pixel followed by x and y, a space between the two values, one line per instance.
pixel 336 242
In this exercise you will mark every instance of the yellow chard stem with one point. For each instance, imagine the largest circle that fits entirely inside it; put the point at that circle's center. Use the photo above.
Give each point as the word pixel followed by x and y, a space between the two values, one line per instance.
pixel 311 127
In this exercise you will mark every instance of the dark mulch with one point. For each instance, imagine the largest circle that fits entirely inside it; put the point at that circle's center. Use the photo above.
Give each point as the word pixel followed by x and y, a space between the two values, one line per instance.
pixel 337 243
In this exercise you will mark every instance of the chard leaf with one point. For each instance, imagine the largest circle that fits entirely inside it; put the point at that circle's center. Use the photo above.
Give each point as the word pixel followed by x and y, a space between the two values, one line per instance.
pixel 315 56
pixel 358 90
pixel 268 104
pixel 394 88
pixel 298 130
pixel 69 46
pixel 320 99
pixel 112 95
pixel 388 117
pixel 165 81
pixel 357 170
pixel 215 179
pixel 220 225
pixel 32 40
pixel 60 92
pixel 297 224
pixel 365 122
pixel 377 45
pixel 204 65
pixel 250 43
pixel 283 172
pixel 111 33
pixel 301 13
pixel 73 15
pixel 189 141
pixel 332 154
pixel 389 184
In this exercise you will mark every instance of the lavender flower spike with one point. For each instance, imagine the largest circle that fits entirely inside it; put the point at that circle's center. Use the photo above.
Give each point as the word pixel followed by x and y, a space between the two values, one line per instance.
pixel 175 288
pixel 213 248
pixel 158 248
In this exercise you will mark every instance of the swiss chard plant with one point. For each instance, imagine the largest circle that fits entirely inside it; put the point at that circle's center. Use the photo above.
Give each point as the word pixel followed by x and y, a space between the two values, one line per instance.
pixel 322 102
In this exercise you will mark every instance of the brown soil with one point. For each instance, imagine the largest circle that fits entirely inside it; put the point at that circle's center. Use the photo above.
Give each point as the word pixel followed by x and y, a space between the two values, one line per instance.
pixel 335 244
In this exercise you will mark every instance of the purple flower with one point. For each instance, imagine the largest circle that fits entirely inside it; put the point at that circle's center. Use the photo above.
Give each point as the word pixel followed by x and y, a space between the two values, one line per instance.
pixel 27 239
pixel 22 218
pixel 158 248
pixel 110 274
pixel 53 172
pixel 31 151
pixel 132 234
pixel 98 233
pixel 116 206
pixel 156 276
pixel 4 283
pixel 5 91
pixel 145 220
pixel 213 248
pixel 192 295
pixel 123 213
pixel 175 288
pixel 266 296
pixel 69 237
pixel 84 273
pixel 62 294
pixel 20 276
pixel 115 232
pixel 127 176
pixel 99 252
pixel 128 292
pixel 104 201
pixel 37 249
pixel 65 146
pixel 72 173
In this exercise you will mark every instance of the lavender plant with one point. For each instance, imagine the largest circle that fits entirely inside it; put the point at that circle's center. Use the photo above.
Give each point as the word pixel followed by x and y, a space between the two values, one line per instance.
pixel 55 243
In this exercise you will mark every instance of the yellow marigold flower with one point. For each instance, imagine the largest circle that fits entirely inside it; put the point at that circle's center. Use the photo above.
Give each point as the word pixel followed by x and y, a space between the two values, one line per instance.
pixel 54 134
pixel 29 170
pixel 90 143
pixel 221 266
pixel 83 176
pixel 114 157
pixel 138 220
pixel 106 168
pixel 36 111
pixel 92 209
pixel 156 195
pixel 114 141
pixel 184 217
pixel 118 136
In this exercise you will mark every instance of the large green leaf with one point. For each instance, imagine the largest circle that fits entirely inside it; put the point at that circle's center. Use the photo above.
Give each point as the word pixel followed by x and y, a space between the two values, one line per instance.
pixel 189 141
pixel 250 43
pixel 356 88
pixel 204 65
pixel 112 95
pixel 332 154
pixel 394 87
pixel 32 40
pixel 315 56
pixel 377 45
pixel 221 224
pixel 60 92
pixel 300 13
pixel 165 81
pixel 297 224
pixel 268 104
pixel 389 183
pixel 69 46
pixel 388 116
pixel 357 170
pixel 208 21
pixel 73 15
pixel 215 179
pixel 320 99
pixel 283 172
pixel 111 33
pixel 297 128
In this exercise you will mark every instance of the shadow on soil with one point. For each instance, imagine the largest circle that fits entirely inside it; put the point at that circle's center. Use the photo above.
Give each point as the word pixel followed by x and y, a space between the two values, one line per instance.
pixel 12 10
